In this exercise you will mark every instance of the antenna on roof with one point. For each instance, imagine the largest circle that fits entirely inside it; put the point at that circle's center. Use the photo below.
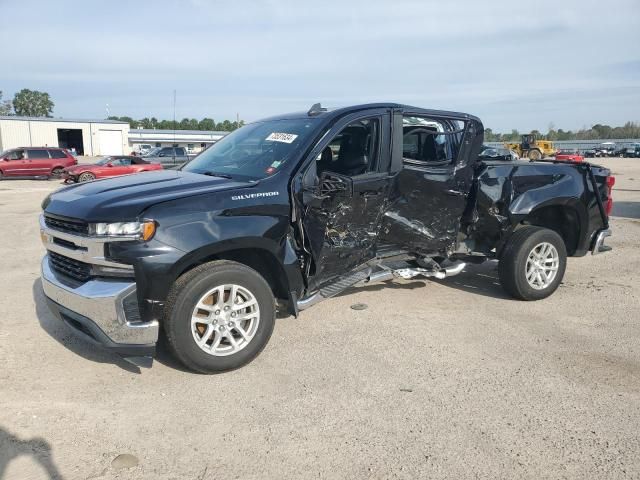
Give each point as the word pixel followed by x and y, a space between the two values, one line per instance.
pixel 316 109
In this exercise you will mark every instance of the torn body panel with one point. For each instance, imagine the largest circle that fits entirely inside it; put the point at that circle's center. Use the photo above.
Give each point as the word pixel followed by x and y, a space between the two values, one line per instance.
pixel 506 195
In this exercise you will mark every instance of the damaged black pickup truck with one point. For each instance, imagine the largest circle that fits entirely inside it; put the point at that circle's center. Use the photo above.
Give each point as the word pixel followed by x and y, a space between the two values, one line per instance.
pixel 294 209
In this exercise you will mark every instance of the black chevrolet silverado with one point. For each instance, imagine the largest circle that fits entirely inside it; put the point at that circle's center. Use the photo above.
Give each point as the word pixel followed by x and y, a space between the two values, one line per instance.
pixel 291 210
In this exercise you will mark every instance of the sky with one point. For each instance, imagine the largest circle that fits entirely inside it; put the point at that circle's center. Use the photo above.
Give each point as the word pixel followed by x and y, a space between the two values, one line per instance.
pixel 522 65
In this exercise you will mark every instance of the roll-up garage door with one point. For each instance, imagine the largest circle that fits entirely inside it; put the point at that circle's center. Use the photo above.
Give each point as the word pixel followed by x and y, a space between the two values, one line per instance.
pixel 110 142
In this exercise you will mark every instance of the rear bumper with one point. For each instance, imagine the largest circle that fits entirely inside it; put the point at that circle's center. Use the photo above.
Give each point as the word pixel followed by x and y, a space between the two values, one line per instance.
pixel 598 243
pixel 103 310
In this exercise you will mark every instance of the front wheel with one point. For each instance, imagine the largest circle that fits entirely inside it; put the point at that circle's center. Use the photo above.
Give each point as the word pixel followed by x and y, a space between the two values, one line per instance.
pixel 532 263
pixel 219 316
pixel 57 172
pixel 86 177
pixel 535 155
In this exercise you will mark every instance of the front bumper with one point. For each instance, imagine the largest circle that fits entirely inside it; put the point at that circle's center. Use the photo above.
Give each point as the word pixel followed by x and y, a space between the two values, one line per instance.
pixel 103 310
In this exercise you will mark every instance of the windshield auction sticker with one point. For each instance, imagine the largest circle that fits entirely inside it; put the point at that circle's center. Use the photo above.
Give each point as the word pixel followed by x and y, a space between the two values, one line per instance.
pixel 282 137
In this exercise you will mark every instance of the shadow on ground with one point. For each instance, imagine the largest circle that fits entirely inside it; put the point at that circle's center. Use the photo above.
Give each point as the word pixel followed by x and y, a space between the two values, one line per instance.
pixel 479 279
pixel 626 209
pixel 12 447
pixel 60 332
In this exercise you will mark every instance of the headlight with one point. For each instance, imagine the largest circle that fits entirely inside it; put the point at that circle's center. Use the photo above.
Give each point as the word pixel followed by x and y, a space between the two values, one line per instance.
pixel 136 230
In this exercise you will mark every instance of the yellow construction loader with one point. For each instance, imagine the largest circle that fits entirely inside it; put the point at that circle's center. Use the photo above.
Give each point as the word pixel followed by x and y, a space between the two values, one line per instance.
pixel 532 148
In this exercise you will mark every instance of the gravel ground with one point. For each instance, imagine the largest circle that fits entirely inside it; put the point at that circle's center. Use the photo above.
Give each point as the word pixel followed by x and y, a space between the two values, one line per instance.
pixel 435 379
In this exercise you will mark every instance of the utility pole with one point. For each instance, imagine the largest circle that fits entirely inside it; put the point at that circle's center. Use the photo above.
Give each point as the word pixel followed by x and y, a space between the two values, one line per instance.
pixel 174 116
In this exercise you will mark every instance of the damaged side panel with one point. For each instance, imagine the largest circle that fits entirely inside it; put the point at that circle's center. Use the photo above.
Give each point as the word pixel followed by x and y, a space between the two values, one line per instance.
pixel 421 217
pixel 430 191
pixel 509 193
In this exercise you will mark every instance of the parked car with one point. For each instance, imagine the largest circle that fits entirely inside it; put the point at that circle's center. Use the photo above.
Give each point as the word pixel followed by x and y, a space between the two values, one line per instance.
pixel 167 155
pixel 606 149
pixel 589 153
pixel 497 153
pixel 295 209
pixel 619 151
pixel 144 148
pixel 569 156
pixel 112 166
pixel 29 162
pixel 632 151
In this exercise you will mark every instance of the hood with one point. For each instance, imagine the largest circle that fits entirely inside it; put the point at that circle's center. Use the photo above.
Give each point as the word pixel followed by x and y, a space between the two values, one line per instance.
pixel 126 197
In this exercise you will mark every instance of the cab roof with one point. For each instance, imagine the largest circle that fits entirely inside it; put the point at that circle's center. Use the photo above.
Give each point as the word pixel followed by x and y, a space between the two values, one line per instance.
pixel 327 114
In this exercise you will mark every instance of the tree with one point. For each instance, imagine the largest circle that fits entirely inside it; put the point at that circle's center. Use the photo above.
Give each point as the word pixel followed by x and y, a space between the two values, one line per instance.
pixel 225 126
pixel 188 124
pixel 207 124
pixel 5 106
pixel 32 103
pixel 145 123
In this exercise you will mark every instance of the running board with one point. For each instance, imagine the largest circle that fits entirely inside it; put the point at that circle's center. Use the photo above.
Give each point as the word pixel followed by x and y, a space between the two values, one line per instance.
pixel 367 276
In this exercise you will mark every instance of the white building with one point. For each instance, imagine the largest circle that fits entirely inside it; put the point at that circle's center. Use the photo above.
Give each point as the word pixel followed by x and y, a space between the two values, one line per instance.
pixel 88 137
pixel 193 140
pixel 96 137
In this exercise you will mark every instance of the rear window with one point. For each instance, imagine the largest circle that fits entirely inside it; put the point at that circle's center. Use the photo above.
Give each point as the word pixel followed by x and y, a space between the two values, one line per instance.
pixel 57 154
pixel 32 153
pixel 431 142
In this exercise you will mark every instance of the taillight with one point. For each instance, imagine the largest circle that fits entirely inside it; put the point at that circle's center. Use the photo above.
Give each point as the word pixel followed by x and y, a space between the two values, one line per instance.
pixel 611 181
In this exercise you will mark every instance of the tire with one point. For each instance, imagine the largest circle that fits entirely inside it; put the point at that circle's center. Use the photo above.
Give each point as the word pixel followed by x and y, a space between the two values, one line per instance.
pixel 514 263
pixel 57 172
pixel 86 177
pixel 534 155
pixel 191 289
pixel 1 175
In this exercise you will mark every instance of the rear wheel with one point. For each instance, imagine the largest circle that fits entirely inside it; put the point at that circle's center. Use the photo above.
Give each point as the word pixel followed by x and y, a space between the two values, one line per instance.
pixel 86 177
pixel 535 155
pixel 57 172
pixel 532 263
pixel 219 316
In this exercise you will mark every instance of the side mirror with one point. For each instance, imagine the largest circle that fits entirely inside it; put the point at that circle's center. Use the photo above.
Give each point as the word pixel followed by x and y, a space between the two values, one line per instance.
pixel 161 154
pixel 109 165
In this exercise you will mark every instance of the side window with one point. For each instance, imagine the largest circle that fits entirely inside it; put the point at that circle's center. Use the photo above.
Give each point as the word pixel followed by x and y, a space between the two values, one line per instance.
pixel 16 155
pixel 430 142
pixel 57 154
pixel 353 151
pixel 180 151
pixel 33 153
pixel 121 162
pixel 167 151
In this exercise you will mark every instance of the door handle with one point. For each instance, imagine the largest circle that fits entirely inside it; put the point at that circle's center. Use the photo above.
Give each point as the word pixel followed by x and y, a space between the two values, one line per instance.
pixel 370 193
pixel 455 193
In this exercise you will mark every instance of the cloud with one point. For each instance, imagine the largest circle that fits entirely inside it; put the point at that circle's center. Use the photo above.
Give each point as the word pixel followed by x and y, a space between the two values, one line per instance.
pixel 512 63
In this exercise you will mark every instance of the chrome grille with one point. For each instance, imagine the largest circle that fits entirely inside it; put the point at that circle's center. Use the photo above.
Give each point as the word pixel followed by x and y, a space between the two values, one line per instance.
pixel 75 269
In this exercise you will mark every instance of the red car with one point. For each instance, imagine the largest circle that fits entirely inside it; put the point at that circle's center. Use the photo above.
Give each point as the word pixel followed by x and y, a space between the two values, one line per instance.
pixel 569 156
pixel 108 167
pixel 35 162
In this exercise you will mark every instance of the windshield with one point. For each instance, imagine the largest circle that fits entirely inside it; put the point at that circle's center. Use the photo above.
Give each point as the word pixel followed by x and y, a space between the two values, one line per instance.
pixel 153 152
pixel 104 161
pixel 254 151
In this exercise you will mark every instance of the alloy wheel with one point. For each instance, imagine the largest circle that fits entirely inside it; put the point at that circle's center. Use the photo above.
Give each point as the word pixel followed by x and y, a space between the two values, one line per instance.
pixel 542 265
pixel 225 320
